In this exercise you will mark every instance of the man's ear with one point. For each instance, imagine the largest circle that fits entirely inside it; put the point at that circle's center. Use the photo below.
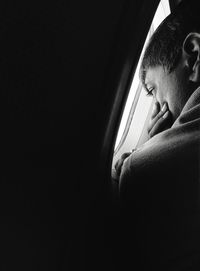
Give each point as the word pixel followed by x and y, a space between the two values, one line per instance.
pixel 191 53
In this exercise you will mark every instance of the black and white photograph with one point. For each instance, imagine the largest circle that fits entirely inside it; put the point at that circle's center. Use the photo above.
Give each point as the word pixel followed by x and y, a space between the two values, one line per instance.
pixel 100 128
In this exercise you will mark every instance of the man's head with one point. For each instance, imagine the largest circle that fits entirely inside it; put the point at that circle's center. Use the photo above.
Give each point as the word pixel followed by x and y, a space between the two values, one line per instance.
pixel 170 68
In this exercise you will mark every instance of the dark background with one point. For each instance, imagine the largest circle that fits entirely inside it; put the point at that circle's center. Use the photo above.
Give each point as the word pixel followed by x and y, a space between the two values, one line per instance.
pixel 65 68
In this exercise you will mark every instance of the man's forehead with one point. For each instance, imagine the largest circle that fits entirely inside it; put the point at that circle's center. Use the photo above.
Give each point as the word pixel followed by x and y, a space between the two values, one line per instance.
pixel 153 74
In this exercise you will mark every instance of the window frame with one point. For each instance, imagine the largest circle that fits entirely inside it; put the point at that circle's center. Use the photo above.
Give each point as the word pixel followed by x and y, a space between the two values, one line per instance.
pixel 120 71
pixel 143 135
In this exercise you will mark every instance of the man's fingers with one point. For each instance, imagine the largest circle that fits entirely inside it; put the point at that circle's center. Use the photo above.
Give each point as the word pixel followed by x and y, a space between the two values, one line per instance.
pixel 156 109
pixel 157 117
pixel 120 162
pixel 162 124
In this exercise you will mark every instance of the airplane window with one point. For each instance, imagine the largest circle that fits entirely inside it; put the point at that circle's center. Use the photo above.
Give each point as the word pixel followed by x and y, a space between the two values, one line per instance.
pixel 138 104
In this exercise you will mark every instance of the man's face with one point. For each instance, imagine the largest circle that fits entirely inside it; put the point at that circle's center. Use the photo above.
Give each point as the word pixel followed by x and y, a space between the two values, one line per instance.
pixel 170 88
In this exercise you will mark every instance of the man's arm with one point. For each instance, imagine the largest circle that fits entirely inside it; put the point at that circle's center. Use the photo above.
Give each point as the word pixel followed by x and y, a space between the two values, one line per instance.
pixel 161 120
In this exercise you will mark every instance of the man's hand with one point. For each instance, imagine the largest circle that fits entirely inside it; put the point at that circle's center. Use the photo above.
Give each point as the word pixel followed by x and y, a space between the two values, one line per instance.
pixel 161 119
pixel 118 166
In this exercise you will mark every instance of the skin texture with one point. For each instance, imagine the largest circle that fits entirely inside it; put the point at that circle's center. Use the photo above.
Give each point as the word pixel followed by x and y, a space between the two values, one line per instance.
pixel 167 88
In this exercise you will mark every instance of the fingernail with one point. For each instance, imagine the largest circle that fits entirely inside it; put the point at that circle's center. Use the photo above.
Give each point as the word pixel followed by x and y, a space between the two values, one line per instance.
pixel 164 108
pixel 165 115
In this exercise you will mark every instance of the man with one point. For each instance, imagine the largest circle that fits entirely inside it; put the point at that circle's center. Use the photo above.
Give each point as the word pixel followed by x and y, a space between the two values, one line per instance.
pixel 159 183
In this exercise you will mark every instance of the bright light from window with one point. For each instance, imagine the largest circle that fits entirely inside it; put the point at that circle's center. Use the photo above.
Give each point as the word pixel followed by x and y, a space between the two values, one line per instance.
pixel 144 102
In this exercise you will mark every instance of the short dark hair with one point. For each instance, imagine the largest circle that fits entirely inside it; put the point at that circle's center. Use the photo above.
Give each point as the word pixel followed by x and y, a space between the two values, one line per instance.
pixel 165 45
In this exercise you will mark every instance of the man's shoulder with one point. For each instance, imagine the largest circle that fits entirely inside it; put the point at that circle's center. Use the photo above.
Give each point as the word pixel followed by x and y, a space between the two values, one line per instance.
pixel 176 149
